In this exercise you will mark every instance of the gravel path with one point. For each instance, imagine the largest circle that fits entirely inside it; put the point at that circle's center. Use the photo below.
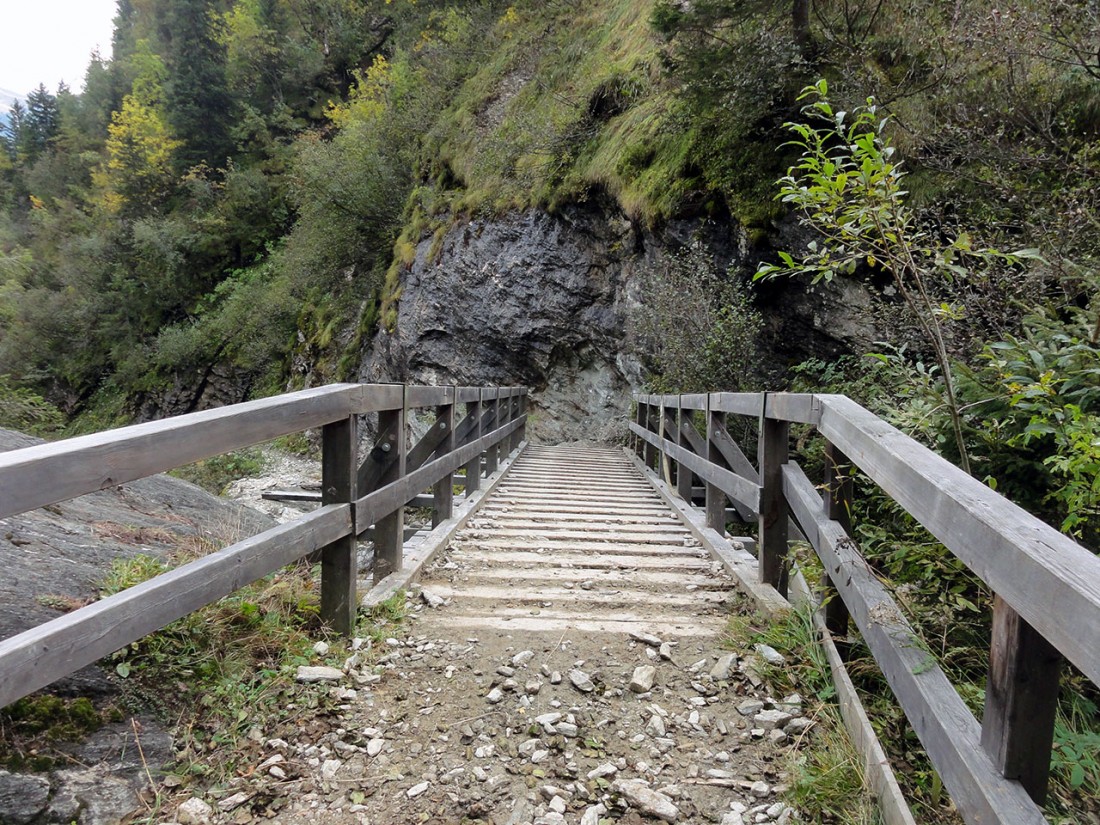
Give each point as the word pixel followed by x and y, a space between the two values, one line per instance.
pixel 556 666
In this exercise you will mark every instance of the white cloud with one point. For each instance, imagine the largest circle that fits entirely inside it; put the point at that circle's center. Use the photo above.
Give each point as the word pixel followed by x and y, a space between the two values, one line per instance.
pixel 49 41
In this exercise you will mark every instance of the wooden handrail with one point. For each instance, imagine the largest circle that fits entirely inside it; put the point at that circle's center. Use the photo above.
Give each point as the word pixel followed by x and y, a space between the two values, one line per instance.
pixel 1047 586
pixel 45 474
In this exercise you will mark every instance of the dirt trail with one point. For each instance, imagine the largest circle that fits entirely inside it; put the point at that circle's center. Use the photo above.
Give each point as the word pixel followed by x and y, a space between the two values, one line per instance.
pixel 562 663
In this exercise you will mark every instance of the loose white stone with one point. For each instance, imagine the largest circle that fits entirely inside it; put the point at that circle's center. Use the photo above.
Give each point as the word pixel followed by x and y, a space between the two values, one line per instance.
pixel 548 718
pixel 374 746
pixel 759 789
pixel 580 680
pixel 646 638
pixel 770 655
pixel 750 707
pixel 606 769
pixel 642 680
pixel 798 725
pixel 656 726
pixel 666 652
pixel 770 719
pixel 645 799
pixel 592 814
pixel 416 790
pixel 431 599
pixel 722 668
pixel 557 804
pixel 329 768
pixel 495 696
pixel 522 658
pixel 308 674
pixel 321 648
pixel 732 818
pixel 194 812
pixel 232 802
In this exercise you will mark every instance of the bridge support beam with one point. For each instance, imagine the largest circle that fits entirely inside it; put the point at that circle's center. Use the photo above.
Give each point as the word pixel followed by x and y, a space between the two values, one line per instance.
pixel 774 445
pixel 339 567
pixel 1021 697
pixel 389 531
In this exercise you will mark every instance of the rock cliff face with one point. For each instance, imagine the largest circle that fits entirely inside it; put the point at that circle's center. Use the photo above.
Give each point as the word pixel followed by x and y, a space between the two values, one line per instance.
pixel 53 560
pixel 544 300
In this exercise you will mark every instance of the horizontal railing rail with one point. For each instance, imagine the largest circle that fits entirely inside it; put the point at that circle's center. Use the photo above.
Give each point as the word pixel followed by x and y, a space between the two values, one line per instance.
pixel 41 475
pixel 1046 586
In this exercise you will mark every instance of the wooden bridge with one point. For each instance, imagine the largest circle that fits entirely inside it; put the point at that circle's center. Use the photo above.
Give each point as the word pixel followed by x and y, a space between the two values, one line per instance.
pixel 541 522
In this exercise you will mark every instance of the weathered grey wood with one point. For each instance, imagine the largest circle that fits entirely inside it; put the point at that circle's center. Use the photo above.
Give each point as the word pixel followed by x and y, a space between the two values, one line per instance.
pixel 339 573
pixel 801 408
pixel 417 397
pixel 473 466
pixel 374 506
pixel 941 720
pixel 443 490
pixel 740 564
pixel 741 403
pixel 716 499
pixel 773 534
pixel 389 524
pixel 492 454
pixel 651 456
pixel 43 654
pixel 1050 580
pixel 383 454
pixel 467 395
pixel 695 401
pixel 1021 698
pixel 683 473
pixel 377 397
pixel 439 434
pixel 838 507
pixel 876 766
pixel 313 496
pixel 730 483
pixel 732 458
pixel 47 473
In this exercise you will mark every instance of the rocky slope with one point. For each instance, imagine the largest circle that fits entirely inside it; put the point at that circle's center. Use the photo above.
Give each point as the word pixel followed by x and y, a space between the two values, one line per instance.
pixel 54 560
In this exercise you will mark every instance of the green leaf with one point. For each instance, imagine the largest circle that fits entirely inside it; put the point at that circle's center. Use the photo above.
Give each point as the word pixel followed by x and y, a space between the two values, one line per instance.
pixel 123 669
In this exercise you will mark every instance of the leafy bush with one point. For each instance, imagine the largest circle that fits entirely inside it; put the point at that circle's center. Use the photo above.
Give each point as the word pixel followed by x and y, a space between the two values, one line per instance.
pixel 695 327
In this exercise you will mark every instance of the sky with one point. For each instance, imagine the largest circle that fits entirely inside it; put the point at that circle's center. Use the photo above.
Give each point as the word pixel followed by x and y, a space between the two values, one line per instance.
pixel 47 41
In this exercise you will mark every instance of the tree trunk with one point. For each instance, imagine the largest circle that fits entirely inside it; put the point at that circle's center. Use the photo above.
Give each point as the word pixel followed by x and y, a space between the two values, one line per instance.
pixel 800 23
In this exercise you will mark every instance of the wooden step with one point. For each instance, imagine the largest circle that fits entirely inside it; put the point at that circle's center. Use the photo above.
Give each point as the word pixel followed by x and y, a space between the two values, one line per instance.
pixel 589 561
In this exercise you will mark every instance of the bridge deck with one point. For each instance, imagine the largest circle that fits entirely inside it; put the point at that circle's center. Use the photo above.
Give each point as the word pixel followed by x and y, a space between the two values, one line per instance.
pixel 576 538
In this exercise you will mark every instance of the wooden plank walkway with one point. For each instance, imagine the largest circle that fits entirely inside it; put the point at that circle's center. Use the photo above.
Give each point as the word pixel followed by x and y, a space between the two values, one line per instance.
pixel 576 538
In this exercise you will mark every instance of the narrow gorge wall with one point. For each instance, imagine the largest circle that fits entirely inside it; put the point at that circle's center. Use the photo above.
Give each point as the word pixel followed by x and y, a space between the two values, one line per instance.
pixel 544 300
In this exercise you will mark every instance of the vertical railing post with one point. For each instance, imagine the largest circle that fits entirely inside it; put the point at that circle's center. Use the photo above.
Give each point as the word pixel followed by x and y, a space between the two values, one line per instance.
pixel 513 410
pixel 653 425
pixel 667 468
pixel 684 478
pixel 838 507
pixel 492 454
pixel 521 433
pixel 339 568
pixel 774 515
pixel 389 531
pixel 1021 696
pixel 716 499
pixel 473 467
pixel 443 492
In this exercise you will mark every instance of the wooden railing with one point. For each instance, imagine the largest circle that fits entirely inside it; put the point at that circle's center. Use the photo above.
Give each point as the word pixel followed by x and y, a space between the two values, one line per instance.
pixel 354 497
pixel 1046 586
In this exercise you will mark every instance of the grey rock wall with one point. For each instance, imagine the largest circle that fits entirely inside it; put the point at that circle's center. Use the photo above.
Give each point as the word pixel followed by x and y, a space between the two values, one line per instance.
pixel 544 300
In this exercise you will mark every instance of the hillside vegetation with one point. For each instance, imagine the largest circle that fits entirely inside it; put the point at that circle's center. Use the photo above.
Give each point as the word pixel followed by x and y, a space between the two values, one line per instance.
pixel 240 185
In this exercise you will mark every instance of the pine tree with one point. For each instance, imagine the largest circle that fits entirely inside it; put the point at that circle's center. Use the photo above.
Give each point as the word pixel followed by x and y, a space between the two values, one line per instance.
pixel 197 98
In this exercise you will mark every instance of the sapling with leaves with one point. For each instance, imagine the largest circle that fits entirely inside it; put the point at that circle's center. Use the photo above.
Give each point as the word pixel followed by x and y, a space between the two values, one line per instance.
pixel 847 186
